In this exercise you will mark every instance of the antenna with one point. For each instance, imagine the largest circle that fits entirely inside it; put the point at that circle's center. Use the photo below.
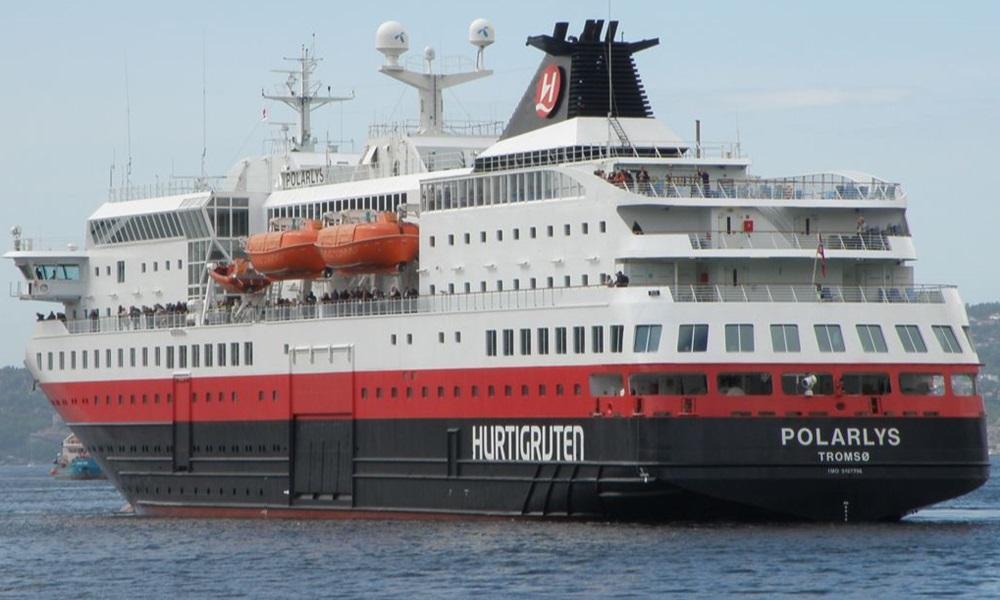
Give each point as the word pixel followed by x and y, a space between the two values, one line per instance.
pixel 305 99
pixel 204 104
pixel 128 127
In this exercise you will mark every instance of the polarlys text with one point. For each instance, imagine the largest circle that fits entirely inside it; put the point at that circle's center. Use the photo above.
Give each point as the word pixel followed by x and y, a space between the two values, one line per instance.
pixel 841 436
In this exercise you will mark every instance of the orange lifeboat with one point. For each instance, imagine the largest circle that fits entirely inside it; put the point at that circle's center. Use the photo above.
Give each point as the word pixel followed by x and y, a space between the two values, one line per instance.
pixel 287 254
pixel 239 277
pixel 380 244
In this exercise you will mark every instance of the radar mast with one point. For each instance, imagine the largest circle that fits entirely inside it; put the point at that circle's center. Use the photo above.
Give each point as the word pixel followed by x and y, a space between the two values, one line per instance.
pixel 302 96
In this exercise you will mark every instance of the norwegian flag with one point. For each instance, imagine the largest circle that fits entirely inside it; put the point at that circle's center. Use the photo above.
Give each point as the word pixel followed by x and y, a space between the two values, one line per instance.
pixel 821 255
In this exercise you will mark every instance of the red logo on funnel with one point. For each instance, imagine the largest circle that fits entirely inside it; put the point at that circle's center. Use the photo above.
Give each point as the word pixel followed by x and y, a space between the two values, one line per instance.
pixel 547 92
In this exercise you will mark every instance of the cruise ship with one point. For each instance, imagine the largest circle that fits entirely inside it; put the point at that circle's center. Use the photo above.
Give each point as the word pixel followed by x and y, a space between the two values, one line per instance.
pixel 575 314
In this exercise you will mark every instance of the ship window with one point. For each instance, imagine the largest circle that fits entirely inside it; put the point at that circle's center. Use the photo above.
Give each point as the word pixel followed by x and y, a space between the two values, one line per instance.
pixel 560 340
pixel 647 338
pixel 963 384
pixel 107 270
pixel 829 338
pixel 525 342
pixel 170 357
pixel 97 359
pixel 499 235
pixel 533 233
pixel 584 280
pixel 744 384
pixel 107 358
pixel 541 389
pixel 392 339
pixel 451 239
pixel 666 384
pixel 739 338
pixel 121 271
pixel 559 389
pixel 517 233
pixel 617 338
pixel 467 238
pixel 475 391
pixel 602 226
pixel 72 359
pixel 423 391
pixel 785 338
pixel 393 392
pixel 921 384
pixel 517 284
pixel 525 390
pixel 567 281
pixel 865 383
pixel 946 337
pixel 431 240
pixel 791 384
pixel 458 337
pixel 156 265
pixel 121 358
pixel 482 236
pixel 248 353
pixel 532 283
pixel 440 391
pixel 579 340
pixel 508 342
pixel 145 356
pixel 38 360
pixel 566 229
pixel 451 288
pixel 433 289
pixel 208 355
pixel 221 351
pixel 234 354
pixel 482 286
pixel 968 337
pixel 182 357
pixel 597 339
pixel 143 267
pixel 409 338
pixel 549 282
pixel 543 340
pixel 195 355
pixel 378 392
pixel 491 342
pixel 440 337
pixel 97 272
pixel 550 230
pixel 499 285
pixel 692 338
pixel 131 357
pixel 871 338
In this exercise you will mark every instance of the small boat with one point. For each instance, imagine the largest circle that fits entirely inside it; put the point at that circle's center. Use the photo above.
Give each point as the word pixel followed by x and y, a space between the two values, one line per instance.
pixel 287 252
pixel 239 277
pixel 74 462
pixel 365 241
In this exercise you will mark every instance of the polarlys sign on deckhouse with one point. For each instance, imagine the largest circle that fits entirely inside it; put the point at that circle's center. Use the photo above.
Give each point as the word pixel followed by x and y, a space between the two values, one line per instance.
pixel 548 91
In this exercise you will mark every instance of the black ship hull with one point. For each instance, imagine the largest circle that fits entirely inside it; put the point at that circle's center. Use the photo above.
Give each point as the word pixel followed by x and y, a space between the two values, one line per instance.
pixel 642 468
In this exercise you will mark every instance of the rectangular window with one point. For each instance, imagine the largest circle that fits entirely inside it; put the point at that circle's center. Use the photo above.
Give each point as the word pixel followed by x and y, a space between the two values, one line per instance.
pixel 72 359
pixel 667 384
pixel 692 338
pixel 597 339
pixel 182 357
pixel 647 338
pixel 560 340
pixel 739 338
pixel 795 384
pixel 785 338
pixel 121 358
pixel 829 338
pixel 866 384
pixel 910 337
pixel 543 340
pixel 131 357
pixel 248 353
pixel 963 384
pixel 744 384
pixel 579 341
pixel 525 342
pixel 84 355
pixel 156 356
pixel 221 352
pixel 602 227
pixel 145 357
pixel 921 384
pixel 170 357
pixel 871 338
pixel 121 271
pixel 617 338
pixel 491 342
pixel 208 355
pixel 508 342
pixel 234 354
pixel 195 356
pixel 946 337
pixel 50 359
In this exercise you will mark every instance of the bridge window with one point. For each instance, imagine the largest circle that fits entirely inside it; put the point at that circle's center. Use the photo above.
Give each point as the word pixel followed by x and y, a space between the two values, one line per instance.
pixel 829 338
pixel 792 384
pixel 785 338
pixel 866 383
pixel 744 384
pixel 871 338
pixel 668 384
pixel 963 384
pixel 946 337
pixel 739 338
pixel 692 338
pixel 921 384
pixel 647 338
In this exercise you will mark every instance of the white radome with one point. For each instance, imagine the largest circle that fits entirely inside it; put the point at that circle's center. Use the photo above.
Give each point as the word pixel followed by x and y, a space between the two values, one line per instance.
pixel 481 33
pixel 392 40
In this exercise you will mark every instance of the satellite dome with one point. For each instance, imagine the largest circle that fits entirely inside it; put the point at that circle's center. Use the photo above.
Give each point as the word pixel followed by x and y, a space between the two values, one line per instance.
pixel 481 33
pixel 392 40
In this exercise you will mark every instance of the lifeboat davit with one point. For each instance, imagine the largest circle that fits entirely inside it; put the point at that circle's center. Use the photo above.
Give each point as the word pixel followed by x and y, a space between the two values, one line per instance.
pixel 381 244
pixel 287 254
pixel 239 277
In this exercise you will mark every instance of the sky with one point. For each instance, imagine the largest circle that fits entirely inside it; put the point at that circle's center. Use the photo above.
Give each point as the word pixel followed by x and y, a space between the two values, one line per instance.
pixel 906 90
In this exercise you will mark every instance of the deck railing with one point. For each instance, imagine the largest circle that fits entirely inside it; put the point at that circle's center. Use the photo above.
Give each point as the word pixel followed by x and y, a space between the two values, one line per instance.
pixel 871 240
pixel 507 300
pixel 789 188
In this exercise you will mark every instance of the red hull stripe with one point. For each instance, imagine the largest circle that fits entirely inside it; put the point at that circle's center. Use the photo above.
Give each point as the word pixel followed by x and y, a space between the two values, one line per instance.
pixel 546 393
